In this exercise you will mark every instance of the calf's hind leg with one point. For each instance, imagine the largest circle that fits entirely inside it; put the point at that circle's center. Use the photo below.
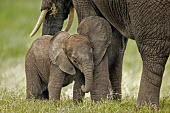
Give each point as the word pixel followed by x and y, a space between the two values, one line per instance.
pixel 34 84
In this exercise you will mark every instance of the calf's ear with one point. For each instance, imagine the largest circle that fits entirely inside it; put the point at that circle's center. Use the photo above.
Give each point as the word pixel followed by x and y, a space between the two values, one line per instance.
pixel 57 55
pixel 99 33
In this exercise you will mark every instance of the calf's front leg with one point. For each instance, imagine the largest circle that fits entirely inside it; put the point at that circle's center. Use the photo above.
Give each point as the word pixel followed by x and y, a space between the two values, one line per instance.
pixel 56 80
pixel 102 84
pixel 78 94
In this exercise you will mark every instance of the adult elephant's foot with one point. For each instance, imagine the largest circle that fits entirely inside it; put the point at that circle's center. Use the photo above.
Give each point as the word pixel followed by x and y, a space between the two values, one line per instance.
pixel 148 94
pixel 149 91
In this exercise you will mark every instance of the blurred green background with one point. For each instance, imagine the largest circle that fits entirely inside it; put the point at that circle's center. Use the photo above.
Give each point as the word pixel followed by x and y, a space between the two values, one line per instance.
pixel 17 19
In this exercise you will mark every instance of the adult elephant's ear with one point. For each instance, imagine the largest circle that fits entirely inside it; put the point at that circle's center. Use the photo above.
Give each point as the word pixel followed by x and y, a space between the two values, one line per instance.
pixel 99 32
pixel 57 55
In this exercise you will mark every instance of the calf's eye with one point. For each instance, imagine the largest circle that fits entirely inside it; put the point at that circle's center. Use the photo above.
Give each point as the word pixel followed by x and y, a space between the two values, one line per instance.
pixel 74 60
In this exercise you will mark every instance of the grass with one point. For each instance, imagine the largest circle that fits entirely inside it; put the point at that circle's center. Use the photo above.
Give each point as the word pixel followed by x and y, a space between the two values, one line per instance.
pixel 13 101
pixel 18 18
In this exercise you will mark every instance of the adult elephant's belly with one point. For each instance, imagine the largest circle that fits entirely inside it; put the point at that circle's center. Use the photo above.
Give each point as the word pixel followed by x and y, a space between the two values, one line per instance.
pixel 116 13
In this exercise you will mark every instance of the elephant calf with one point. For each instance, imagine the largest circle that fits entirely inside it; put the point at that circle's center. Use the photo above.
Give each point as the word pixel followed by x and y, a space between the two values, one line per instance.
pixel 53 62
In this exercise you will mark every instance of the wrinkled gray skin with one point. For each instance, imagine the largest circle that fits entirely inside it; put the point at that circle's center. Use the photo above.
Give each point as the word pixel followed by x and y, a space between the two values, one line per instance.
pixel 145 21
pixel 49 66
pixel 55 18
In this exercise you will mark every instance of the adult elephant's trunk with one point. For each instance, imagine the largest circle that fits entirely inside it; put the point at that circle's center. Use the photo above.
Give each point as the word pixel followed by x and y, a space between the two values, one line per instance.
pixel 88 73
pixel 53 19
pixel 53 23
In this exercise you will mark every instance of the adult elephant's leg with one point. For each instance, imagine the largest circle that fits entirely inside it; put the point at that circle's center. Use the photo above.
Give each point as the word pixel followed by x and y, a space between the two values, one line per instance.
pixel 153 68
pixel 154 53
pixel 116 53
pixel 152 34
pixel 78 94
pixel 102 84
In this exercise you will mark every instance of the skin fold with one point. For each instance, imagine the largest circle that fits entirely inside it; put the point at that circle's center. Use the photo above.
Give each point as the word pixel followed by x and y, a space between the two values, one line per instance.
pixel 145 21
pixel 53 62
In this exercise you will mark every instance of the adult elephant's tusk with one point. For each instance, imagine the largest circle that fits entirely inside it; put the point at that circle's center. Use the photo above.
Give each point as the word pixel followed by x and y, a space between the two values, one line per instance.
pixel 70 19
pixel 40 21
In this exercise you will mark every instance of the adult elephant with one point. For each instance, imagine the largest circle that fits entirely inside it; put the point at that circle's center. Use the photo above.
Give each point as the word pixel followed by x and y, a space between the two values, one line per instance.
pixel 145 21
